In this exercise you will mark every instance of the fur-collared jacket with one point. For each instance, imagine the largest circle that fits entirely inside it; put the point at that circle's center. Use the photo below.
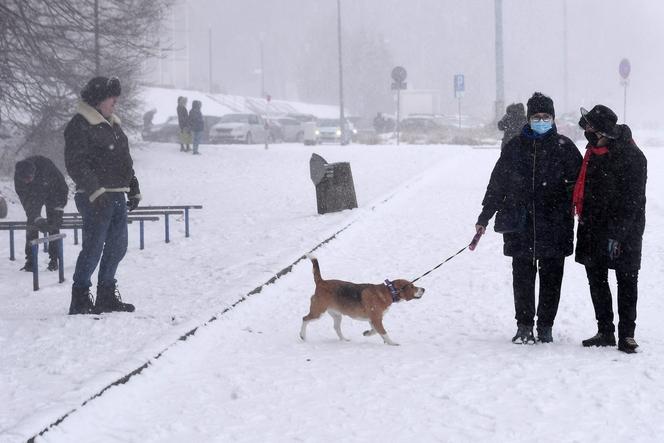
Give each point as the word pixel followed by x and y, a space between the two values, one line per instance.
pixel 97 154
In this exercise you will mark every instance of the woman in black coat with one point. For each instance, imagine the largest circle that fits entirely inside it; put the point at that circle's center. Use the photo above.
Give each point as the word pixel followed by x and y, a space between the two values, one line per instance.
pixel 512 122
pixel 533 181
pixel 610 200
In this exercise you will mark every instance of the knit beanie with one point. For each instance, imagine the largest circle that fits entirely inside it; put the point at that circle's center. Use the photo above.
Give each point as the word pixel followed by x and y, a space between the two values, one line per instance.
pixel 540 103
pixel 25 170
pixel 99 89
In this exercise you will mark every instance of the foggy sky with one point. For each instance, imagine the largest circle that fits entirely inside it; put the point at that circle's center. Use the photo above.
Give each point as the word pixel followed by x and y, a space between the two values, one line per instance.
pixel 433 40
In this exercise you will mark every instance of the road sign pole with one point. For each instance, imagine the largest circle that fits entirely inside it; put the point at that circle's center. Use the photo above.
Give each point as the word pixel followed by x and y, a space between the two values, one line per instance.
pixel 398 113
pixel 625 103
pixel 459 112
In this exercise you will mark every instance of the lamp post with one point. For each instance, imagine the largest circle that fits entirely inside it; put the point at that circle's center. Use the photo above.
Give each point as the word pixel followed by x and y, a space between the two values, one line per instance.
pixel 262 40
pixel 500 86
pixel 342 119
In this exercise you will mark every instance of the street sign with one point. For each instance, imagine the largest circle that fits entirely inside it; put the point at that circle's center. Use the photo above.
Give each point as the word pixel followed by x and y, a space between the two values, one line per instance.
pixel 399 74
pixel 459 85
pixel 624 68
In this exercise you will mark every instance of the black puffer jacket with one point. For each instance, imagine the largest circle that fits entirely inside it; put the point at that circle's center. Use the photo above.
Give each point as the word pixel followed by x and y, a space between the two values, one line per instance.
pixel 614 205
pixel 196 121
pixel 48 188
pixel 537 172
pixel 97 154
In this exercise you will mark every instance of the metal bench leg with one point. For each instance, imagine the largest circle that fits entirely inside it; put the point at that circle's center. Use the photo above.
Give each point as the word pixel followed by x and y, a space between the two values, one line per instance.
pixel 186 222
pixel 61 261
pixel 75 236
pixel 45 243
pixel 166 234
pixel 35 268
pixel 142 230
pixel 11 245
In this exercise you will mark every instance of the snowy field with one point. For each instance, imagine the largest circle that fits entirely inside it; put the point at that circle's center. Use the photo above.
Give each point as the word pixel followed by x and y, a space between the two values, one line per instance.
pixel 247 377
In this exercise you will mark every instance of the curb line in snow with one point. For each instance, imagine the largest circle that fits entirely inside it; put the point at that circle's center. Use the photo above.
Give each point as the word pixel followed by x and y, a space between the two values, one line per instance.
pixel 124 379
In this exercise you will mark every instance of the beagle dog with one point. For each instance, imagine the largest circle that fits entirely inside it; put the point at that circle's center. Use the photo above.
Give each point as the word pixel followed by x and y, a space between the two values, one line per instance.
pixel 359 301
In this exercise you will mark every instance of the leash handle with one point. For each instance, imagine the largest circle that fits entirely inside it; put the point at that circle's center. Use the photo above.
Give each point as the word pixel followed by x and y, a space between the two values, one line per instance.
pixel 475 241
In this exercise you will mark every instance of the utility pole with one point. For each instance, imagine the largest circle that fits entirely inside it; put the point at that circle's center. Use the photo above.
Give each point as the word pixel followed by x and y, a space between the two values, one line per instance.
pixel 262 39
pixel 97 56
pixel 342 119
pixel 210 60
pixel 500 69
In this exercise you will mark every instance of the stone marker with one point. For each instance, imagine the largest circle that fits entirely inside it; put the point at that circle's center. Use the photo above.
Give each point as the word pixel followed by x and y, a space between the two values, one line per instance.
pixel 335 190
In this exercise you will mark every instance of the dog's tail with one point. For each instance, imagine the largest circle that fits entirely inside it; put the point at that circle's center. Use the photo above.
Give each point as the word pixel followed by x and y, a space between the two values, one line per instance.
pixel 314 261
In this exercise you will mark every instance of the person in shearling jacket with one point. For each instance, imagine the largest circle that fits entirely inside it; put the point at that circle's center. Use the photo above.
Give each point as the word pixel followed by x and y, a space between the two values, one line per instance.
pixel 98 160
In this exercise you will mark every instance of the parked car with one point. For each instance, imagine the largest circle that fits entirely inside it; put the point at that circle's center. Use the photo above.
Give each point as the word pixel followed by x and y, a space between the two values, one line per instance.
pixel 419 124
pixel 169 131
pixel 239 128
pixel 291 129
pixel 330 131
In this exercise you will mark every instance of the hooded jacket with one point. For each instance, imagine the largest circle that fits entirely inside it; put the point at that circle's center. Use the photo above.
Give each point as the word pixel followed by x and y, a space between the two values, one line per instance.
pixel 537 172
pixel 97 154
pixel 512 122
pixel 47 188
pixel 196 121
pixel 614 205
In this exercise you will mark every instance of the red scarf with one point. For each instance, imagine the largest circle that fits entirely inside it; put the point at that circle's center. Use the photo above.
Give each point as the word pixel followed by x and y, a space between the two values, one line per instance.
pixel 580 185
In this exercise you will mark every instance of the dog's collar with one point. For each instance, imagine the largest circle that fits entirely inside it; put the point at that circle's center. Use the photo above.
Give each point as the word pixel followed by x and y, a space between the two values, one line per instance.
pixel 393 291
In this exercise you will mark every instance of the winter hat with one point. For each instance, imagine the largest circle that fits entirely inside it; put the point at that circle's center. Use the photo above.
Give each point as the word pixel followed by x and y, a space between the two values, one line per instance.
pixel 99 89
pixel 196 104
pixel 540 103
pixel 25 170
pixel 516 109
pixel 600 117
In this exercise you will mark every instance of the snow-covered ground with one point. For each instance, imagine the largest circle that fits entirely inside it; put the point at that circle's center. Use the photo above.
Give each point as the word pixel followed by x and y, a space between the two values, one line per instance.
pixel 248 377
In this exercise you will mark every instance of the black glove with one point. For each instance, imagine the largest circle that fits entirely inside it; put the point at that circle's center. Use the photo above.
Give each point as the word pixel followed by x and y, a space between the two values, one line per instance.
pixel 41 224
pixel 614 248
pixel 132 202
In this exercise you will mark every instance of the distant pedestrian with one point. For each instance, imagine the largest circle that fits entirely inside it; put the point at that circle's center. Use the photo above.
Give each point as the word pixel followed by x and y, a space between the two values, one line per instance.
pixel 531 189
pixel 147 119
pixel 512 122
pixel 197 124
pixel 610 201
pixel 98 160
pixel 183 122
pixel 3 207
pixel 38 182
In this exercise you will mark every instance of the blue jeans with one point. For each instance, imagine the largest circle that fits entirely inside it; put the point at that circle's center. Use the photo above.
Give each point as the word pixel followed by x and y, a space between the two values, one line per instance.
pixel 104 236
pixel 198 135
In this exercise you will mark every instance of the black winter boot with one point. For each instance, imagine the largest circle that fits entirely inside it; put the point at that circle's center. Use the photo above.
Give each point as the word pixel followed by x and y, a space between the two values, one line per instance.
pixel 544 334
pixel 52 264
pixel 81 302
pixel 524 335
pixel 628 345
pixel 600 339
pixel 109 300
pixel 28 266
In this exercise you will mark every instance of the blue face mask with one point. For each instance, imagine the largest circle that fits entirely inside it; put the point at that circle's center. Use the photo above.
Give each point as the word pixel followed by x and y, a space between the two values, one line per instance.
pixel 541 126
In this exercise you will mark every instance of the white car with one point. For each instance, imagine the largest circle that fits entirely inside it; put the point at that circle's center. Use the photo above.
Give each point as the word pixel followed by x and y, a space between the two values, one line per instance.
pixel 330 131
pixel 239 128
pixel 291 129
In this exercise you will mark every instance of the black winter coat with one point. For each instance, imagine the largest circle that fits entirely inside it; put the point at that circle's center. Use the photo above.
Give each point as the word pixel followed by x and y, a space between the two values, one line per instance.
pixel 538 173
pixel 48 188
pixel 614 205
pixel 97 153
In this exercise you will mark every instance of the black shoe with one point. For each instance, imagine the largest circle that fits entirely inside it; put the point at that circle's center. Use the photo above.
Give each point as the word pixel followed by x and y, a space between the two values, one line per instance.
pixel 600 339
pixel 81 302
pixel 544 335
pixel 628 345
pixel 109 300
pixel 524 335
pixel 27 267
pixel 52 264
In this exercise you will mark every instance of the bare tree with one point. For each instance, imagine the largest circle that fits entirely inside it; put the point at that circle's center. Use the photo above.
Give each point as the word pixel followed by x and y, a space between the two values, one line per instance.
pixel 50 49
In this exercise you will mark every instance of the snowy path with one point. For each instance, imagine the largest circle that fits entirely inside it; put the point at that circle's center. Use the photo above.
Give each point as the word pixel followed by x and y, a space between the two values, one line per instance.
pixel 456 377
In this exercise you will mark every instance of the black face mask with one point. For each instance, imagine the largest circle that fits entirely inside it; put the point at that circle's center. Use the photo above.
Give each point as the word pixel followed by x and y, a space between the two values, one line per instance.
pixel 592 137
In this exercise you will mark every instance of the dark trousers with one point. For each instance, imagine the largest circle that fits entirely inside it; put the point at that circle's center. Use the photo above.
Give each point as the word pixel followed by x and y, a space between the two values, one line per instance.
pixel 104 237
pixel 550 272
pixel 54 219
pixel 598 279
